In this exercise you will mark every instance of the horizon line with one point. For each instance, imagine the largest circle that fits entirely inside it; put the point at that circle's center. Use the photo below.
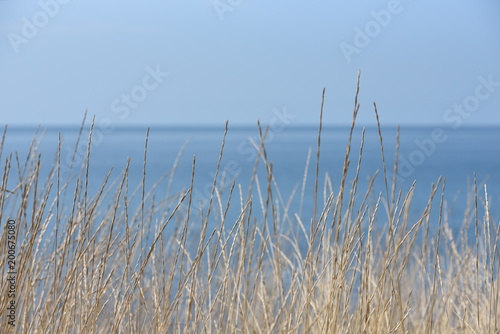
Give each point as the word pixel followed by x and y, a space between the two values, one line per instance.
pixel 241 125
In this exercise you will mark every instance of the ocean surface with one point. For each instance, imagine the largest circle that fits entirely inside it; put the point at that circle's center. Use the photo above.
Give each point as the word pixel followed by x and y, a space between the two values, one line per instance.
pixel 425 153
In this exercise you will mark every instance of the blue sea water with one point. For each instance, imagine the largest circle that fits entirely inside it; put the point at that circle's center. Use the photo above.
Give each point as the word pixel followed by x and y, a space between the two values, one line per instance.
pixel 425 153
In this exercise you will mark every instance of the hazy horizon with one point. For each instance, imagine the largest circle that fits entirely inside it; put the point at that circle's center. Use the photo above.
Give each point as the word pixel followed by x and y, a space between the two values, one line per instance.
pixel 205 62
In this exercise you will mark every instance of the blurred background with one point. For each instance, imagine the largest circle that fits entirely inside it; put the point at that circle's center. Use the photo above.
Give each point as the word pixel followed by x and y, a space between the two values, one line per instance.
pixel 185 67
pixel 207 61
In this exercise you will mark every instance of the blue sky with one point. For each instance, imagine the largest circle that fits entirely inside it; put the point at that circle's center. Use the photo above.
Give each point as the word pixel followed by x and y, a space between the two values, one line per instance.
pixel 205 61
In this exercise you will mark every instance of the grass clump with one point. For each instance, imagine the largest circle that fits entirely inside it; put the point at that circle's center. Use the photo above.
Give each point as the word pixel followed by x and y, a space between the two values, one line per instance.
pixel 100 263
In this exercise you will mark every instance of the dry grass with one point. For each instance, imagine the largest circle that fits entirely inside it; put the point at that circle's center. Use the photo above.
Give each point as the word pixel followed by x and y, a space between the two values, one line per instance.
pixel 86 265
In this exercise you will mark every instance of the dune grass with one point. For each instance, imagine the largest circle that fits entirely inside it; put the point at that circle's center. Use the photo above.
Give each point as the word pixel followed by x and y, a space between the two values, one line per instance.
pixel 95 263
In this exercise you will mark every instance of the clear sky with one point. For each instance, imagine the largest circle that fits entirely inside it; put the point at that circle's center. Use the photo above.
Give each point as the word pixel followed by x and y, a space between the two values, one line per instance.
pixel 205 61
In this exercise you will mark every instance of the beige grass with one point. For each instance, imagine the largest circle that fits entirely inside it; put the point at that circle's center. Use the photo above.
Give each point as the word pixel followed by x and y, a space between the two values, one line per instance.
pixel 86 266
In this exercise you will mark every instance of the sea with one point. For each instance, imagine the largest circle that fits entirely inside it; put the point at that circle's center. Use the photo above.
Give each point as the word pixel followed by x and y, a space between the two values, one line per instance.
pixel 425 154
